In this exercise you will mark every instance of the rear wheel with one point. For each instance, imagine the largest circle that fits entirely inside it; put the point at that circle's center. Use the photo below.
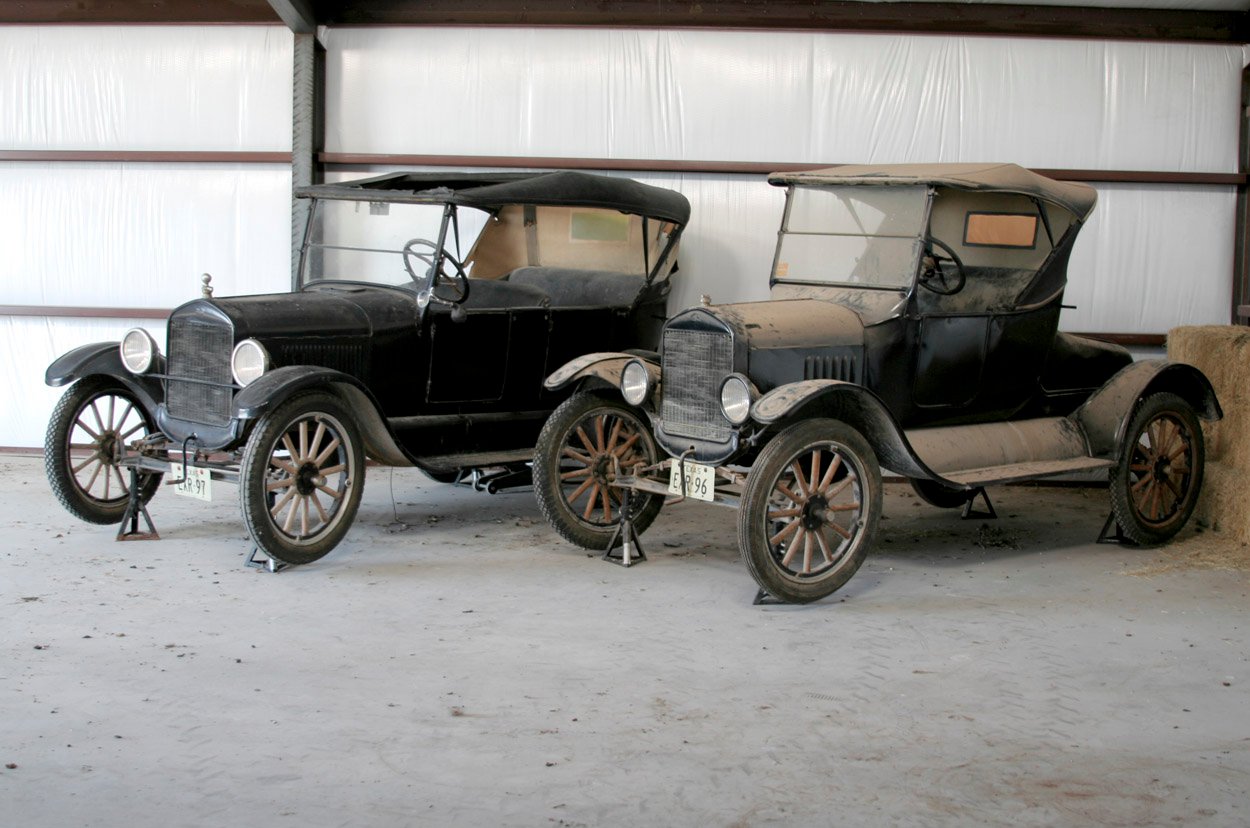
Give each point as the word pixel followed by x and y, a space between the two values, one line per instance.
pixel 582 444
pixel 1155 486
pixel 810 510
pixel 301 478
pixel 87 434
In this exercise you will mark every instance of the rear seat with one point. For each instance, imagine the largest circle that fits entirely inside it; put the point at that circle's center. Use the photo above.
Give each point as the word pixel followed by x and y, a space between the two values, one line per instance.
pixel 575 288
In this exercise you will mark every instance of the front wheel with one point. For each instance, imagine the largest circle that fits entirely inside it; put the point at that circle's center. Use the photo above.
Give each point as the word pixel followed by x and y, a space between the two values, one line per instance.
pixel 575 461
pixel 1155 486
pixel 809 510
pixel 301 478
pixel 87 435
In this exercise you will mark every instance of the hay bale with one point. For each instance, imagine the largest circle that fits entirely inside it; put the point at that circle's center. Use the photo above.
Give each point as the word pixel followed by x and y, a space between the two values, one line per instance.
pixel 1222 352
pixel 1222 503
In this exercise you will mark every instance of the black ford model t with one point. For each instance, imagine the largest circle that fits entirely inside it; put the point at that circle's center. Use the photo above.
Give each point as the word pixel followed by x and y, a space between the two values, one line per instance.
pixel 912 325
pixel 430 308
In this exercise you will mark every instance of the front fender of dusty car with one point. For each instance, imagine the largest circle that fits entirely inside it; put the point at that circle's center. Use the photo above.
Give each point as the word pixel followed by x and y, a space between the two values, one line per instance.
pixel 851 403
pixel 605 367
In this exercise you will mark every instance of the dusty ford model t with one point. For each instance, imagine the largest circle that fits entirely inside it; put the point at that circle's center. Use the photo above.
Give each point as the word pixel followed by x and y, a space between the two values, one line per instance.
pixel 431 307
pixel 912 325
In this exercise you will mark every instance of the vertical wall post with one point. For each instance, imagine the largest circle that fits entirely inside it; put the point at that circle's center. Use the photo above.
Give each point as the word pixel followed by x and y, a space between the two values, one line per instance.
pixel 1241 252
pixel 307 133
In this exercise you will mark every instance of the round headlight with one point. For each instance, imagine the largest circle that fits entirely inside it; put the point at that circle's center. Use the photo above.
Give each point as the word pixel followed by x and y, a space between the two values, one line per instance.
pixel 138 351
pixel 635 382
pixel 248 362
pixel 735 399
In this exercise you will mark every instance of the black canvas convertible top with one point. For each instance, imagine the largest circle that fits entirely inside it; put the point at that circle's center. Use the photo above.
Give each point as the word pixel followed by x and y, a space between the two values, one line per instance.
pixel 493 190
pixel 1078 199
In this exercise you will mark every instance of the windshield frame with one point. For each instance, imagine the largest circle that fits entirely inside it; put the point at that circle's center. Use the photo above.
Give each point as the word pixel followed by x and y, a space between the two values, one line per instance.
pixel 919 239
pixel 654 264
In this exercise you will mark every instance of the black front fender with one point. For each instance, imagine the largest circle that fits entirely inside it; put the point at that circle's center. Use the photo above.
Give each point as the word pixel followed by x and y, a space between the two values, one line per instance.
pixel 279 385
pixel 103 359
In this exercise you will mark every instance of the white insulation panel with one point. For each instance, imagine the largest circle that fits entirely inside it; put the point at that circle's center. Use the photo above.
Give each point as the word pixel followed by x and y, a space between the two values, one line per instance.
pixel 145 88
pixel 783 96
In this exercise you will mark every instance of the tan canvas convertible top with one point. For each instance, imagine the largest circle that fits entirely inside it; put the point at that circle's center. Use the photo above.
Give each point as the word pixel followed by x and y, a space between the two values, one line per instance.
pixel 1078 199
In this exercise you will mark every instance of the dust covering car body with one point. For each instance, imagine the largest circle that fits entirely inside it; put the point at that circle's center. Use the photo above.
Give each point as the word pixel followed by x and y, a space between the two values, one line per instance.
pixel 428 309
pixel 912 324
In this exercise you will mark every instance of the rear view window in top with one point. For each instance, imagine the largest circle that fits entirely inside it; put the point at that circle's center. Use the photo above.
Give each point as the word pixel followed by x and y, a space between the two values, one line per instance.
pixel 1001 230
pixel 599 226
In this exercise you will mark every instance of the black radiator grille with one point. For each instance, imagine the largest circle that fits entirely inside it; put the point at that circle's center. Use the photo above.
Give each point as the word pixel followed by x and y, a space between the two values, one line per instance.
pixel 199 387
pixel 695 364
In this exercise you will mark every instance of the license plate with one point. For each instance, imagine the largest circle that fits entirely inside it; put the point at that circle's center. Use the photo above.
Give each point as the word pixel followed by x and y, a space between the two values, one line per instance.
pixel 700 481
pixel 196 483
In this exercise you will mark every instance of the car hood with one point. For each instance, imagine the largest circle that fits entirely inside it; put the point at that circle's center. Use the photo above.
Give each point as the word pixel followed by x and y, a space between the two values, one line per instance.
pixel 319 313
pixel 791 323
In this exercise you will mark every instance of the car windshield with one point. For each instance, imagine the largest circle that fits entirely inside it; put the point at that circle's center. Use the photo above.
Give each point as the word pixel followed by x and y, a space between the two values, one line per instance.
pixel 853 235
pixel 362 241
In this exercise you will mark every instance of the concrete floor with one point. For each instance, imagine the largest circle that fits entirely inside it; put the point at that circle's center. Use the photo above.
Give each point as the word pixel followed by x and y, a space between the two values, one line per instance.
pixel 468 668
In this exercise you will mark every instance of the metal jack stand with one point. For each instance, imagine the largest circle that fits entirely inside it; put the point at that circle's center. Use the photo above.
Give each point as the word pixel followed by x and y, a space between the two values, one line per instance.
pixel 264 563
pixel 135 508
pixel 626 535
pixel 1112 533
pixel 988 514
pixel 764 598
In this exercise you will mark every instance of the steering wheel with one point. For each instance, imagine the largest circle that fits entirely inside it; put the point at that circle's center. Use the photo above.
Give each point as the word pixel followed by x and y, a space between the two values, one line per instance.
pixel 458 279
pixel 934 273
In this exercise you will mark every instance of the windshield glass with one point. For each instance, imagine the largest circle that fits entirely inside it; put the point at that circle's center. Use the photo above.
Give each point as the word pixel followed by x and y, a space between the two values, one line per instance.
pixel 854 235
pixel 362 241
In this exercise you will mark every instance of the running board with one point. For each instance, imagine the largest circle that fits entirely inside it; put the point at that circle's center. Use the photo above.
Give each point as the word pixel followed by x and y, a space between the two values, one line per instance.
pixel 993 475
pixel 476 460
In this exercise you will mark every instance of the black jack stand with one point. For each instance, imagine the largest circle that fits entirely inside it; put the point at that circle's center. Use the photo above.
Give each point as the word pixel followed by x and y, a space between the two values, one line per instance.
pixel 969 513
pixel 260 561
pixel 626 535
pixel 129 530
pixel 1112 533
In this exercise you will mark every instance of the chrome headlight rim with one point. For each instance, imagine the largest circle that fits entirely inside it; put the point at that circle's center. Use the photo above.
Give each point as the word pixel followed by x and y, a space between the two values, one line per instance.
pixel 253 371
pixel 737 407
pixel 141 354
pixel 636 383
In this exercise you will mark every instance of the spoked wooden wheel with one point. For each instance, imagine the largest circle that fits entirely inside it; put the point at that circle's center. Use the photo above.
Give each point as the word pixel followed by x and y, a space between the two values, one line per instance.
pixel 301 478
pixel 580 447
pixel 87 435
pixel 809 510
pixel 1155 487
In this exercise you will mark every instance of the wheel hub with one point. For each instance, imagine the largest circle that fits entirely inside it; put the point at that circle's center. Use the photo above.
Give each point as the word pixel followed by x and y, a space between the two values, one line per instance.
pixel 814 513
pixel 307 479
pixel 106 447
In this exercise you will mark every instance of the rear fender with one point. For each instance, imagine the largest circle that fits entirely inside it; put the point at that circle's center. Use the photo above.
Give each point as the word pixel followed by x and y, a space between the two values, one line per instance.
pixel 103 359
pixel 276 387
pixel 854 405
pixel 1105 415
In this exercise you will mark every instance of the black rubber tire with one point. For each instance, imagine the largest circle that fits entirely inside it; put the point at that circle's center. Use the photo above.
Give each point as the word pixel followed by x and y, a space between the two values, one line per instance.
pixel 91 499
pixel 935 494
pixel 852 485
pixel 562 481
pixel 283 510
pixel 1155 486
